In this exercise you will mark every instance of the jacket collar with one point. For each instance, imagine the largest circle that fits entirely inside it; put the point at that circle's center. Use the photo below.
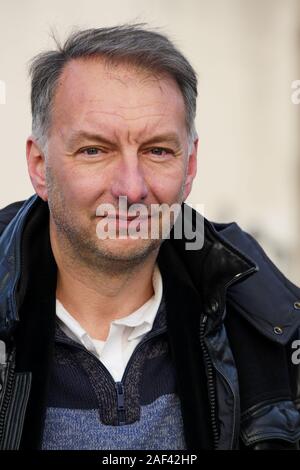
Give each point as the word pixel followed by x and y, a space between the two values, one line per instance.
pixel 207 272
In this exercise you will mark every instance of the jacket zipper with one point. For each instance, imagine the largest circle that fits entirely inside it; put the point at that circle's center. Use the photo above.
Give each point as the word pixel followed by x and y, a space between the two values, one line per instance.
pixel 210 368
pixel 7 391
pixel 210 383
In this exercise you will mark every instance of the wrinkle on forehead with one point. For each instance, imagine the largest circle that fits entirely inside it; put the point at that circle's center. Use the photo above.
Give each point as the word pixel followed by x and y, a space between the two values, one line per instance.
pixel 135 135
pixel 126 118
pixel 149 125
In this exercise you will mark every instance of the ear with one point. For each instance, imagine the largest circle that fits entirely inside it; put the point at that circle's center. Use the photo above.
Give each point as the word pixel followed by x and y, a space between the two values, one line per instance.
pixel 191 170
pixel 36 167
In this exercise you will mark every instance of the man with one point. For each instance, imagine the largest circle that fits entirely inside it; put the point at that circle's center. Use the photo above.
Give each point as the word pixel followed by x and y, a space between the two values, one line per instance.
pixel 133 342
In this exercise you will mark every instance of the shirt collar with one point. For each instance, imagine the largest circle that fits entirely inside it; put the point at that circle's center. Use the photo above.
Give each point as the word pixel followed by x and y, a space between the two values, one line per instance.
pixel 141 320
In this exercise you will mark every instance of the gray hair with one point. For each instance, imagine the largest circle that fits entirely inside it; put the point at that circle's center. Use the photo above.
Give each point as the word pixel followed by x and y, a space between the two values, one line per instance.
pixel 132 43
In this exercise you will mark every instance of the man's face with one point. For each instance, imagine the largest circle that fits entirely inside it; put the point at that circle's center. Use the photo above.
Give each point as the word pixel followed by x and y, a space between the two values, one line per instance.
pixel 116 131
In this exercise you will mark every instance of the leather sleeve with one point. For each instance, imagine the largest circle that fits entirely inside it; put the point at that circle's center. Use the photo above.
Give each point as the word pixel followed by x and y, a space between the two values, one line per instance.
pixel 275 444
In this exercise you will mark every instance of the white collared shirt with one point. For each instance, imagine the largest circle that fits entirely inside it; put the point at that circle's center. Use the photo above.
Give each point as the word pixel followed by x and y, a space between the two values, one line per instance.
pixel 124 334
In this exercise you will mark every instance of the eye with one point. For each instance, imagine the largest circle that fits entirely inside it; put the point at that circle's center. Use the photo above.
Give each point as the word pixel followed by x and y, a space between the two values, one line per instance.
pixel 91 151
pixel 160 151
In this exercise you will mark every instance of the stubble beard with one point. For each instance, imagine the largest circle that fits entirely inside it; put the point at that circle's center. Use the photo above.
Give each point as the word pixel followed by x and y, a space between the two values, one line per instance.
pixel 83 248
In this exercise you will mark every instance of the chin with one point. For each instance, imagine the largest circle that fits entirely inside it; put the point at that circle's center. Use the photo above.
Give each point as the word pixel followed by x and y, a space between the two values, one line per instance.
pixel 128 249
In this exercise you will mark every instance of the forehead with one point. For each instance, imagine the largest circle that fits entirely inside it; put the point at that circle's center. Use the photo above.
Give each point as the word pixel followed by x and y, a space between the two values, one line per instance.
pixel 93 87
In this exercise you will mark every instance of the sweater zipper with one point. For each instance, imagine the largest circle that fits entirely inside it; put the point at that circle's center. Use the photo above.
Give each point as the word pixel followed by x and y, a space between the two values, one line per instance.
pixel 210 383
pixel 120 403
pixel 119 386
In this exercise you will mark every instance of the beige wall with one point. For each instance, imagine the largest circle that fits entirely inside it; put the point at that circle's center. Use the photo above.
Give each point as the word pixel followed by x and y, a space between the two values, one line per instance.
pixel 246 53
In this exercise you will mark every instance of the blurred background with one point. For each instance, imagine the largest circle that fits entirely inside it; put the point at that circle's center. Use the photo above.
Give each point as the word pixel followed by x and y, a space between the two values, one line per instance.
pixel 246 54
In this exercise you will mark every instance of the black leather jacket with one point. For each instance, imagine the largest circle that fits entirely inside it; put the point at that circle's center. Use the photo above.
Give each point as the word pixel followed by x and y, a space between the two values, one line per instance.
pixel 245 316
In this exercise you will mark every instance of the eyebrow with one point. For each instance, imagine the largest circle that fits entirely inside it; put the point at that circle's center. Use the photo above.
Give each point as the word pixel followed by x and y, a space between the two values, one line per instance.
pixel 76 137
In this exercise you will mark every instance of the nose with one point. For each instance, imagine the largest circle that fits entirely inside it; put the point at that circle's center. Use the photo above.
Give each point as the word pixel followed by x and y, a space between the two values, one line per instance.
pixel 129 181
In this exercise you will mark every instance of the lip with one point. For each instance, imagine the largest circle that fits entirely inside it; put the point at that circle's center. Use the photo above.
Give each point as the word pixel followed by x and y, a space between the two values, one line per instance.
pixel 127 218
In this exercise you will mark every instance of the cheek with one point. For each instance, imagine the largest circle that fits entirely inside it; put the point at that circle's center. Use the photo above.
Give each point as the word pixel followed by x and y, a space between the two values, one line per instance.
pixel 166 191
pixel 166 185
pixel 81 188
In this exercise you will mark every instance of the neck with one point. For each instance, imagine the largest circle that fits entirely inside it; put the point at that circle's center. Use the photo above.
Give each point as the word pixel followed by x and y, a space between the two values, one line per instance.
pixel 93 296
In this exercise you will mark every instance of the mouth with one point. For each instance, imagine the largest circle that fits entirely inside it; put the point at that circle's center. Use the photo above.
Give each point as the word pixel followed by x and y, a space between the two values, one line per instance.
pixel 131 217
pixel 126 218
